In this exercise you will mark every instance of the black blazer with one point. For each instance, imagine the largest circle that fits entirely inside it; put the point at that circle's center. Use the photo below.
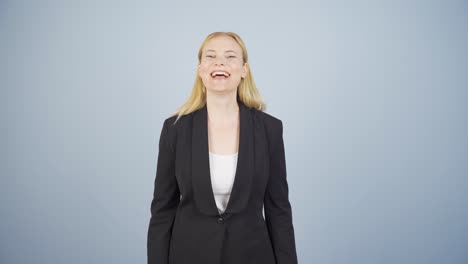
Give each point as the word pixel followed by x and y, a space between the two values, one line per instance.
pixel 185 226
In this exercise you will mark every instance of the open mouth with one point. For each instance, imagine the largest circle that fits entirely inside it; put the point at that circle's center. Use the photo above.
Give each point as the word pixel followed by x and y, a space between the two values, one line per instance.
pixel 220 75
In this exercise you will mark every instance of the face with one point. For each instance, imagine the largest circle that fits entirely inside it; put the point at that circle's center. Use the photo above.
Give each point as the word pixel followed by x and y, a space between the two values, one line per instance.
pixel 222 56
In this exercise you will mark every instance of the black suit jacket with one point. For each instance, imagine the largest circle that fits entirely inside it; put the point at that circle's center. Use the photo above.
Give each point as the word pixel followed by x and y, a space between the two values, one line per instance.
pixel 185 226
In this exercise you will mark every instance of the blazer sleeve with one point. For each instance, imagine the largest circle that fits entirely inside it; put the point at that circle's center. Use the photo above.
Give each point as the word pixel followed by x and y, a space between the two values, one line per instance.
pixel 166 197
pixel 278 214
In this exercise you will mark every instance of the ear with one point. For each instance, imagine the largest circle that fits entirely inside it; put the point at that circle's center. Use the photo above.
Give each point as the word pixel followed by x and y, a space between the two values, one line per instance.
pixel 245 70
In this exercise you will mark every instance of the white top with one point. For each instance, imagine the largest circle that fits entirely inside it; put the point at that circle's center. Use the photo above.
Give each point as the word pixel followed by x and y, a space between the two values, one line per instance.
pixel 222 170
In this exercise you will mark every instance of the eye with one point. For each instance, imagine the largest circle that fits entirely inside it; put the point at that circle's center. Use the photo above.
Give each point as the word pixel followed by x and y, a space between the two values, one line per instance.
pixel 210 56
pixel 231 56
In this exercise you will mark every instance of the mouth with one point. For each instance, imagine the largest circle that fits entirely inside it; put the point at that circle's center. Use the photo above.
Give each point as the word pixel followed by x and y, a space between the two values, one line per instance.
pixel 220 75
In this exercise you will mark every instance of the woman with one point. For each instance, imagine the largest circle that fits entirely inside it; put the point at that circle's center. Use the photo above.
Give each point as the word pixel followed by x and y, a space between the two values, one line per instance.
pixel 221 163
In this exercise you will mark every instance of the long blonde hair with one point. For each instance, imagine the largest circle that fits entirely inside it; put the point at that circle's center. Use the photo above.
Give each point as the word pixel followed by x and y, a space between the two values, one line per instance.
pixel 247 91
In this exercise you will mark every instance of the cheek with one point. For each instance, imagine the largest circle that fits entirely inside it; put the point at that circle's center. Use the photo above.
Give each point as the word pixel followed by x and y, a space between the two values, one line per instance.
pixel 204 66
pixel 202 71
pixel 237 70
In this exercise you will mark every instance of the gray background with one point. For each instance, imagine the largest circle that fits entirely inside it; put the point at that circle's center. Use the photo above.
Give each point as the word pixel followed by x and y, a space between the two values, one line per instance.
pixel 372 96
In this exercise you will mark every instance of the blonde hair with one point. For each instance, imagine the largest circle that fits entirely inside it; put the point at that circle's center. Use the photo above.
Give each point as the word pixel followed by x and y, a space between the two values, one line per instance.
pixel 247 91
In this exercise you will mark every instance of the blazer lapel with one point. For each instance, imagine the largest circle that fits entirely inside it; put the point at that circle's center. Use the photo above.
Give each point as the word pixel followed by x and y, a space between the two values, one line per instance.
pixel 201 177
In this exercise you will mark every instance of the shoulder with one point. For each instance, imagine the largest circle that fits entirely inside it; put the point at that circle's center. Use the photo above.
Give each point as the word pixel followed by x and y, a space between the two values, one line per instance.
pixel 271 122
pixel 272 125
pixel 170 128
pixel 172 124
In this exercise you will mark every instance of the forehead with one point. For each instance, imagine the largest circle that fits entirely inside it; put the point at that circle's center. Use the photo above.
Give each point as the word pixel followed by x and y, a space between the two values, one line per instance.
pixel 222 44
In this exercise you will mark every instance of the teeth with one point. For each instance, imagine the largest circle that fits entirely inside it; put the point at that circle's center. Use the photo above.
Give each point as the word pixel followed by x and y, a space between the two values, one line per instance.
pixel 219 73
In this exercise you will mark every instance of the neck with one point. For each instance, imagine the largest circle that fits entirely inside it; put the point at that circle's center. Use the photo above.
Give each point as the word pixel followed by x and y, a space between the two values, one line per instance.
pixel 222 109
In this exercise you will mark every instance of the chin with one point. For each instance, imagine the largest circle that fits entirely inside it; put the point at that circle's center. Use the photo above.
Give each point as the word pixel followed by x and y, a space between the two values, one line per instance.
pixel 220 89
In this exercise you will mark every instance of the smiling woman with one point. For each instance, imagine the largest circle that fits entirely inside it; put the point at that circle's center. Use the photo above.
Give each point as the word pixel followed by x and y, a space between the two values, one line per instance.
pixel 221 162
pixel 220 68
pixel 223 52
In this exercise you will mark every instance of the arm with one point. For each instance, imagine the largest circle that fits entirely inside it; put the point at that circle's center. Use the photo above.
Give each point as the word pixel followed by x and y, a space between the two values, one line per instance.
pixel 166 198
pixel 278 215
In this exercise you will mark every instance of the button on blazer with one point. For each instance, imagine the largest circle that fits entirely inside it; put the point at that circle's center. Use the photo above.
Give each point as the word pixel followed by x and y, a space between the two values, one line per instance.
pixel 185 226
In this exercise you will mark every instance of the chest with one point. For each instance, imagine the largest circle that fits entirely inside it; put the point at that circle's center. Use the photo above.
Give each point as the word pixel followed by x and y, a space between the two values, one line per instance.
pixel 223 139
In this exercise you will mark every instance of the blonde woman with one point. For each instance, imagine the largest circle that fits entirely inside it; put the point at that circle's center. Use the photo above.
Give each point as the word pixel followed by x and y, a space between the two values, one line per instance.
pixel 220 191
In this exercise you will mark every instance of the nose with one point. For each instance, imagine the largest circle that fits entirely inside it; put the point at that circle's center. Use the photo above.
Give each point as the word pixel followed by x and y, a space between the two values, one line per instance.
pixel 219 60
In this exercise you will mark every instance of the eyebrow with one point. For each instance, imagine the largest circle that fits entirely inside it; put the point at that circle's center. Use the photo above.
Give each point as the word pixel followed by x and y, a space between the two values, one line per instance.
pixel 224 52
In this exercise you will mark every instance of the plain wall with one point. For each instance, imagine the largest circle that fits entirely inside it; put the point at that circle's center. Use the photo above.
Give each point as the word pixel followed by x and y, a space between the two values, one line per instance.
pixel 372 96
